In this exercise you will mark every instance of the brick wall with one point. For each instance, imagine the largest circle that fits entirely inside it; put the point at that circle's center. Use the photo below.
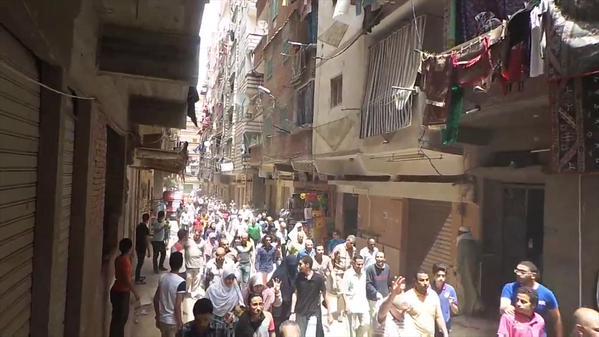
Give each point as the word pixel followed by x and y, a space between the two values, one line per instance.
pixel 93 314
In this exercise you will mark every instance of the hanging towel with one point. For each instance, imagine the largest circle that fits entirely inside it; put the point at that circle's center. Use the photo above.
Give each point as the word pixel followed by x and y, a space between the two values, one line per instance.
pixel 451 132
pixel 537 39
pixel 474 66
pixel 437 74
pixel 341 8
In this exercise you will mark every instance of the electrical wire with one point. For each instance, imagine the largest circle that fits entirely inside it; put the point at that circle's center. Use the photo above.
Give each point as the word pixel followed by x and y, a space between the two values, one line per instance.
pixel 415 21
pixel 421 151
pixel 27 78
pixel 351 43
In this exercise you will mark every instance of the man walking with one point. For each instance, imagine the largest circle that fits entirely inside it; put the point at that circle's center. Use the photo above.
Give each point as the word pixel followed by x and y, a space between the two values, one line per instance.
pixel 142 246
pixel 346 252
pixel 423 309
pixel 526 276
pixel 447 294
pixel 169 297
pixel 322 262
pixel 158 242
pixel 369 252
pixel 246 254
pixel 378 282
pixel 305 303
pixel 215 267
pixel 194 261
pixel 354 294
pixel 308 250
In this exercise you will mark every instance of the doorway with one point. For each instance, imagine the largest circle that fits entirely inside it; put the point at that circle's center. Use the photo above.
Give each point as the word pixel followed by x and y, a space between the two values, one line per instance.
pixel 513 221
pixel 350 214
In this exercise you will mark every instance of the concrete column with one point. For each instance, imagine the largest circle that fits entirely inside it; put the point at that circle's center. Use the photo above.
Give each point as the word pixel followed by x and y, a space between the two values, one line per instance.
pixel 46 281
pixel 571 243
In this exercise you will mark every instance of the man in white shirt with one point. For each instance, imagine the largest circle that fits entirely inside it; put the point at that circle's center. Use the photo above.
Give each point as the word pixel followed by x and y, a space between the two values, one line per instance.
pixel 369 252
pixel 354 294
pixel 422 309
pixel 194 261
pixel 215 267
pixel 169 297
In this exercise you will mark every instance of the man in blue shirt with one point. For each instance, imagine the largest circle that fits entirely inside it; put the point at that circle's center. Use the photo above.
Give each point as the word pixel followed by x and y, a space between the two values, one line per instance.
pixel 526 275
pixel 447 294
pixel 334 242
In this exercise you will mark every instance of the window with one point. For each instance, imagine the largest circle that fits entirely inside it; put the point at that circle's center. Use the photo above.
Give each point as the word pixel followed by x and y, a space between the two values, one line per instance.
pixel 336 91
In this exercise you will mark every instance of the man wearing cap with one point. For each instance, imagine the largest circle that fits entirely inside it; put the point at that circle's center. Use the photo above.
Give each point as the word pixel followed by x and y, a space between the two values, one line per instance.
pixel 468 260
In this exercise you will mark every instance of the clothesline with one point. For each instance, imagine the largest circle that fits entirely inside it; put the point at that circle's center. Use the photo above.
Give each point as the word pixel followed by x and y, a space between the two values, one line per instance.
pixel 495 35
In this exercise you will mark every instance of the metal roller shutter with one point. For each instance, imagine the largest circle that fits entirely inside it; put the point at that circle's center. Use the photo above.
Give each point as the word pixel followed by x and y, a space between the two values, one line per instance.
pixel 19 140
pixel 431 232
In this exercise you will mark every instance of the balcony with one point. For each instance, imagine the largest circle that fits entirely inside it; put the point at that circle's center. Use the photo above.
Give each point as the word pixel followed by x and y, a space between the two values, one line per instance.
pixel 259 52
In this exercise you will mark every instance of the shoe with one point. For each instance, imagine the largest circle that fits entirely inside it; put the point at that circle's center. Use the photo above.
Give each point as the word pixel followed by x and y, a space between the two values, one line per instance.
pixel 163 269
pixel 156 271
pixel 142 278
pixel 140 282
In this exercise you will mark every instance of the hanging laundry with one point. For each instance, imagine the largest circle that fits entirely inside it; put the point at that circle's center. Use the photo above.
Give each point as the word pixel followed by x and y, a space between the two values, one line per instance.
pixel 467 10
pixel 572 47
pixel 537 38
pixel 450 134
pixel 515 69
pixel 474 66
pixel 341 8
pixel 305 8
pixel 437 74
pixel 358 4
pixel 372 17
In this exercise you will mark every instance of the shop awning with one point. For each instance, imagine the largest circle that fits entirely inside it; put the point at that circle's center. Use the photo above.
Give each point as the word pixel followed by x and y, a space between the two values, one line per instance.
pixel 161 160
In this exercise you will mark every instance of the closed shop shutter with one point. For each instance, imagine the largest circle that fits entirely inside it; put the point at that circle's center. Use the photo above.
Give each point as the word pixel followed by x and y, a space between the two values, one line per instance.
pixel 19 146
pixel 430 234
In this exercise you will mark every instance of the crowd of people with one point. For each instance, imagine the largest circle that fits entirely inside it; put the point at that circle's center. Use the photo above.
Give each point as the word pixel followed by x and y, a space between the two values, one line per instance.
pixel 254 275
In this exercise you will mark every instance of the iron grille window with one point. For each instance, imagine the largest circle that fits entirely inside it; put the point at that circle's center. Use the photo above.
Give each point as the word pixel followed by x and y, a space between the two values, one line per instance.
pixel 392 62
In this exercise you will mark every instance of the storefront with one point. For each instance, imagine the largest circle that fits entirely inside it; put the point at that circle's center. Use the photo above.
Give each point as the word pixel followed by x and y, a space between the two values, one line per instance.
pixel 320 197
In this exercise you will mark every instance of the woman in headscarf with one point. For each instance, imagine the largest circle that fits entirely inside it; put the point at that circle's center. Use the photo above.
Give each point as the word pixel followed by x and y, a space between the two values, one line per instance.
pixel 297 228
pixel 255 321
pixel 285 274
pixel 226 298
pixel 270 296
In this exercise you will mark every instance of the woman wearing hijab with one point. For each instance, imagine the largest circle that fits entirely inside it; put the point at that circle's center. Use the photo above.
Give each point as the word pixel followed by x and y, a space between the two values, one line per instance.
pixel 285 274
pixel 297 228
pixel 255 321
pixel 225 296
pixel 270 296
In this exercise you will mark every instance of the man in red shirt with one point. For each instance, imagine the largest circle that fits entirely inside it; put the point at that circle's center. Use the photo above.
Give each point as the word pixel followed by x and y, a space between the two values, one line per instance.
pixel 119 293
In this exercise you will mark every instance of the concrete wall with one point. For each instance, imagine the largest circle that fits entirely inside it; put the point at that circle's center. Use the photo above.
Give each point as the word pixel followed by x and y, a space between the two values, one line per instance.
pixel 571 213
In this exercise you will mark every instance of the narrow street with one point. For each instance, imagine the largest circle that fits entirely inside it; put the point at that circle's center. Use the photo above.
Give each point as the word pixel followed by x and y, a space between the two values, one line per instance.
pixel 438 156
pixel 144 325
